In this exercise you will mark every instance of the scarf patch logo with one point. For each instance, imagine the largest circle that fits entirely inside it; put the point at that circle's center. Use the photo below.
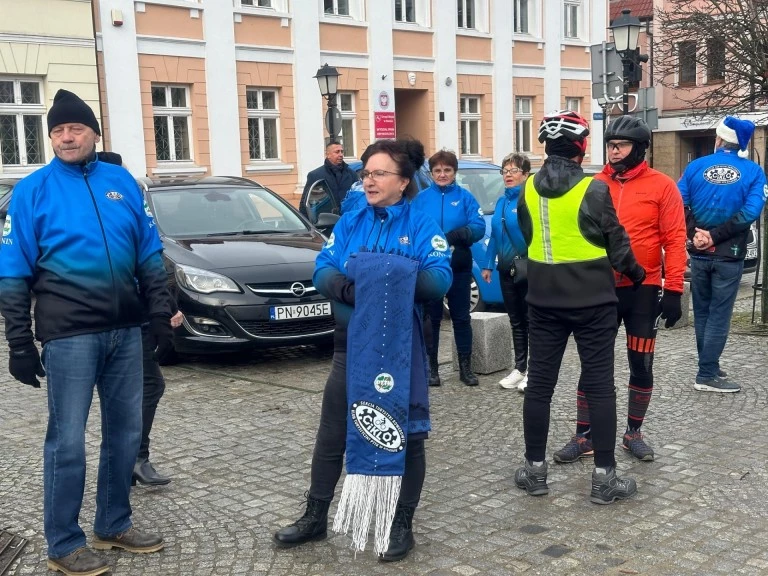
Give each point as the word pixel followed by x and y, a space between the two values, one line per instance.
pixel 439 243
pixel 377 426
pixel 722 174
pixel 404 240
pixel 7 226
pixel 384 383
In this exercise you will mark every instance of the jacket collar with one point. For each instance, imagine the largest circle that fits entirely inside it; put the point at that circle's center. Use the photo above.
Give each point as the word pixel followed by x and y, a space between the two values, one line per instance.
pixel 78 170
pixel 512 193
pixel 448 188
pixel 628 174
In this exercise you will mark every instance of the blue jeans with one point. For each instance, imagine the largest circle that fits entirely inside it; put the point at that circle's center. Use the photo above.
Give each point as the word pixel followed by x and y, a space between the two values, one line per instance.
pixel 714 285
pixel 112 361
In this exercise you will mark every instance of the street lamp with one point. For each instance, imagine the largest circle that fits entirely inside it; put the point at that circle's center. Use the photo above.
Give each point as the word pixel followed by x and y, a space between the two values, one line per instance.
pixel 626 30
pixel 328 81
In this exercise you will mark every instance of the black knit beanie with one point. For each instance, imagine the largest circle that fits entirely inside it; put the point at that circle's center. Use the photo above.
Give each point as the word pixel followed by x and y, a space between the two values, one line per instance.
pixel 70 108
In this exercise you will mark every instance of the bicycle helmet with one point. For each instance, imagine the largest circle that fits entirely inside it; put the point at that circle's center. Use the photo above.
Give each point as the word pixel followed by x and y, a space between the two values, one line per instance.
pixel 628 128
pixel 563 124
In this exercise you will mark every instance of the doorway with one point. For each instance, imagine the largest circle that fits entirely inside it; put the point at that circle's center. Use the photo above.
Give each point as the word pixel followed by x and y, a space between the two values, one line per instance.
pixel 412 114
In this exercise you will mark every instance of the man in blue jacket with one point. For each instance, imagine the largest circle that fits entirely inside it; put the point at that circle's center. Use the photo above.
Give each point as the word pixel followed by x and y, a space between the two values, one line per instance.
pixel 723 193
pixel 79 236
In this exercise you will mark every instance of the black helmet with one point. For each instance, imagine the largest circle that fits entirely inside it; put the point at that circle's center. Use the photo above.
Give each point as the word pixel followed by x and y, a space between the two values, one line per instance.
pixel 628 128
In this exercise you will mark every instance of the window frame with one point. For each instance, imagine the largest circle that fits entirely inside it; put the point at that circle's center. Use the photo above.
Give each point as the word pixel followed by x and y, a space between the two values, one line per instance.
pixel 712 64
pixel 521 118
pixel 516 20
pixel 466 118
pixel 19 111
pixel 462 14
pixel 335 13
pixel 691 60
pixel 571 9
pixel 257 4
pixel 349 115
pixel 571 99
pixel 262 114
pixel 404 12
pixel 171 112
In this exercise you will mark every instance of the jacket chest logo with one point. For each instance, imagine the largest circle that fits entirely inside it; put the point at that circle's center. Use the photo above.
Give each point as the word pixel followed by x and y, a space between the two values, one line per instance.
pixel 114 195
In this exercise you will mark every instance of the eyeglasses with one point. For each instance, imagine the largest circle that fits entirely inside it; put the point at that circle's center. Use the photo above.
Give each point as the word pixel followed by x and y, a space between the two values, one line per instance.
pixel 441 171
pixel 506 171
pixel 618 145
pixel 376 174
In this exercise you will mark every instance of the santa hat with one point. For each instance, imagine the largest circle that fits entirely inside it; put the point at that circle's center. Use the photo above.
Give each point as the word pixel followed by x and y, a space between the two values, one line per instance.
pixel 735 131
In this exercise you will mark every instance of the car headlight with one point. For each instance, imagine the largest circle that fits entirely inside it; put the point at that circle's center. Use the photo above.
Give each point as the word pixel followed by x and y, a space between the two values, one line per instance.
pixel 204 281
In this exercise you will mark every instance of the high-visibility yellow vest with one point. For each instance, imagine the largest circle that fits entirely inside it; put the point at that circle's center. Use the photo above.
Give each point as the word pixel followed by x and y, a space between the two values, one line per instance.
pixel 556 235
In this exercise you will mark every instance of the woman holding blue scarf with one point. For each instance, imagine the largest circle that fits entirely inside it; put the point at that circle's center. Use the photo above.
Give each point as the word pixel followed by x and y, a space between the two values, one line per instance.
pixel 459 216
pixel 508 245
pixel 378 267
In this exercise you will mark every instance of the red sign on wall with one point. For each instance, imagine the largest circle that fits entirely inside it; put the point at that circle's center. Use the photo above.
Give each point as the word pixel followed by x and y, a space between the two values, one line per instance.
pixel 384 125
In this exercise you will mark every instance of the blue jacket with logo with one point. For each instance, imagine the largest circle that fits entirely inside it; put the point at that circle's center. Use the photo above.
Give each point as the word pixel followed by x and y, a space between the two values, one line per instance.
pixel 722 193
pixel 506 238
pixel 81 238
pixel 459 216
pixel 397 229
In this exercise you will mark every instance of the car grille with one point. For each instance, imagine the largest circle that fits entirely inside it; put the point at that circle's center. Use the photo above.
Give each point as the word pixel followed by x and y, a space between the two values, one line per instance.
pixel 282 289
pixel 288 328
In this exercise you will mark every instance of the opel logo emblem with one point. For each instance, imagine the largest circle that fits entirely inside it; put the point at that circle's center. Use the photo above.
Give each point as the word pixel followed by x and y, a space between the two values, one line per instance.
pixel 298 289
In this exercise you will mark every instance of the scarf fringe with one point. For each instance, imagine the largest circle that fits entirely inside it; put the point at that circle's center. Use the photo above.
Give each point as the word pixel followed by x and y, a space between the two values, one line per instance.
pixel 361 496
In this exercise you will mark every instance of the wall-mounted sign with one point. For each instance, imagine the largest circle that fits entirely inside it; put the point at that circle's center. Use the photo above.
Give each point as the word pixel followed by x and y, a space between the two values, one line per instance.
pixel 384 125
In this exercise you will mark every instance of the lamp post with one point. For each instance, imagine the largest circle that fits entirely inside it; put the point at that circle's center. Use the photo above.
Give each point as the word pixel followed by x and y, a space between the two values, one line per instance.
pixel 626 30
pixel 328 81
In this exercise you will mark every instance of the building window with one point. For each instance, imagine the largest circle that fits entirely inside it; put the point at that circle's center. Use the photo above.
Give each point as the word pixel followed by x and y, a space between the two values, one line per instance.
pixel 336 7
pixel 257 3
pixel 686 54
pixel 172 115
pixel 347 137
pixel 263 118
pixel 573 104
pixel 405 10
pixel 523 122
pixel 571 19
pixel 715 60
pixel 522 17
pixel 469 116
pixel 466 14
pixel 21 123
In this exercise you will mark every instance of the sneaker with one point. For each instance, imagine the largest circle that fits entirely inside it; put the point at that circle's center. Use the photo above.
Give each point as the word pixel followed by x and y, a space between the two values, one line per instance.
pixel 607 487
pixel 523 384
pixel 81 562
pixel 716 384
pixel 633 441
pixel 532 479
pixel 511 381
pixel 131 541
pixel 578 447
pixel 722 373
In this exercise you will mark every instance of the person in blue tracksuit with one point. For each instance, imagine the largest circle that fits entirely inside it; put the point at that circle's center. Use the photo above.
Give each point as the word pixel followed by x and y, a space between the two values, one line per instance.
pixel 461 219
pixel 388 224
pixel 80 237
pixel 723 193
pixel 507 250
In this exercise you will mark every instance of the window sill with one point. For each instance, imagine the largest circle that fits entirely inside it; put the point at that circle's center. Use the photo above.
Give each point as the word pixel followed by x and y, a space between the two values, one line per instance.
pixel 193 4
pixel 472 32
pixel 687 84
pixel 714 82
pixel 256 11
pixel 412 27
pixel 342 20
pixel 574 42
pixel 182 168
pixel 268 167
pixel 19 170
pixel 525 37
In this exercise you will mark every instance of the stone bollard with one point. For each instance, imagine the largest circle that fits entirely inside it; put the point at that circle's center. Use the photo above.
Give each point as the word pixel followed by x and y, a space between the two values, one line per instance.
pixel 491 343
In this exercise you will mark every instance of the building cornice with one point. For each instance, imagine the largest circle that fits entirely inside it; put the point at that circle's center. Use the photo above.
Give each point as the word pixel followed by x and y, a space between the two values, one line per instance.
pixel 50 40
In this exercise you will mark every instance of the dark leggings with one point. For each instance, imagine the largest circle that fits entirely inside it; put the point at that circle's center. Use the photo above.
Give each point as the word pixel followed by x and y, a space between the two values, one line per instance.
pixel 458 296
pixel 328 457
pixel 154 387
pixel 517 310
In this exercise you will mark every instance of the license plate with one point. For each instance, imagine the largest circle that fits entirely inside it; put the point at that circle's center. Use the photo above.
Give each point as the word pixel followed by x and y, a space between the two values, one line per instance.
pixel 751 253
pixel 299 311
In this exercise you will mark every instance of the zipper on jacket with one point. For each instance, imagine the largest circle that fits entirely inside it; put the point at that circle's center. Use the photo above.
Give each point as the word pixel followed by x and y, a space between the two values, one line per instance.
pixel 115 308
pixel 618 211
pixel 442 209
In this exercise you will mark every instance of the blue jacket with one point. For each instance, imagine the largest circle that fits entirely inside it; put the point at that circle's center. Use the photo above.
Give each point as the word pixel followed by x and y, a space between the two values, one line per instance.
pixel 723 193
pixel 459 216
pixel 398 229
pixel 83 240
pixel 355 199
pixel 506 242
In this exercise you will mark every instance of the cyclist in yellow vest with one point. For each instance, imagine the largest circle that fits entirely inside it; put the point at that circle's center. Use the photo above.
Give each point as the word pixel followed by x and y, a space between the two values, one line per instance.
pixel 574 242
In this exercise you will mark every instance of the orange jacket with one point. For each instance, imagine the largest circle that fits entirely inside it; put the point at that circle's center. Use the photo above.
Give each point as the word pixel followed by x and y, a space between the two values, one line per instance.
pixel 650 208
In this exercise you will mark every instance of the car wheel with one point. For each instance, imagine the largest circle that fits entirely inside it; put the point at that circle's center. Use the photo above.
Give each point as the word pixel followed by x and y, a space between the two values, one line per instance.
pixel 476 303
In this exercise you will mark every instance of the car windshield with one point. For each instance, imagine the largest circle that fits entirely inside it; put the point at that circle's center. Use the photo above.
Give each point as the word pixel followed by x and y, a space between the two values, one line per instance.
pixel 4 189
pixel 486 185
pixel 189 212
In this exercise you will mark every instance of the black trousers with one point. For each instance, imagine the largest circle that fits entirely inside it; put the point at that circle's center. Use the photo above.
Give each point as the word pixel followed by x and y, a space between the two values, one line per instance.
pixel 458 296
pixel 154 387
pixel 328 458
pixel 594 330
pixel 517 310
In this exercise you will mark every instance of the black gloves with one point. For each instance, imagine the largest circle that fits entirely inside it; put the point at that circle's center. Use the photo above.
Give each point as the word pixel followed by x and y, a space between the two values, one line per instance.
pixel 671 310
pixel 460 236
pixel 24 364
pixel 639 282
pixel 161 331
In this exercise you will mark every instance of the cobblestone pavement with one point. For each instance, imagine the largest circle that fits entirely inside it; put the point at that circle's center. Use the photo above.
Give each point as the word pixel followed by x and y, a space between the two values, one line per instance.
pixel 238 438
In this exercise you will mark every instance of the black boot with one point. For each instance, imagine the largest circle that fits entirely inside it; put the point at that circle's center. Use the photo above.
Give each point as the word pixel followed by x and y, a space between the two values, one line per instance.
pixel 145 473
pixel 434 376
pixel 312 526
pixel 465 370
pixel 401 535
